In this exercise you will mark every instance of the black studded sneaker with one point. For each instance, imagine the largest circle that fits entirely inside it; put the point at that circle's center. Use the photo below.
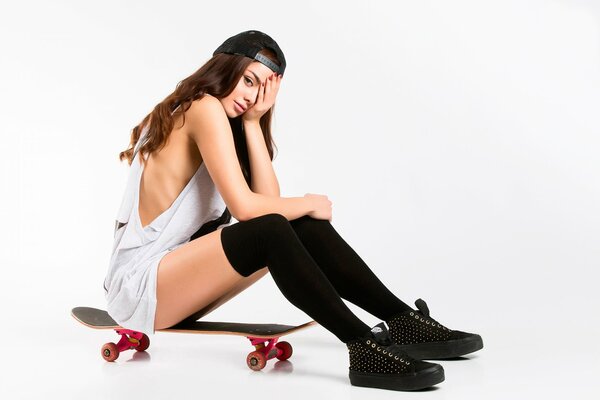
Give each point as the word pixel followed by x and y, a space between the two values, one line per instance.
pixel 375 361
pixel 423 337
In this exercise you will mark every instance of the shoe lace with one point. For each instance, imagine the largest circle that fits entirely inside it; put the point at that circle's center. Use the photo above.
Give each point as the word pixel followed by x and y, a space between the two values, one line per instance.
pixel 395 350
pixel 431 320
pixel 423 311
pixel 392 347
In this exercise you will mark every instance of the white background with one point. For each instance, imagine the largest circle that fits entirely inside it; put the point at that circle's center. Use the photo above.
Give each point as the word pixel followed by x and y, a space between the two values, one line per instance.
pixel 458 142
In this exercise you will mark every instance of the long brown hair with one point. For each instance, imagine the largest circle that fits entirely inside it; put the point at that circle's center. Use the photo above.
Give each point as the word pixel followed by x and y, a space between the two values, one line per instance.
pixel 217 77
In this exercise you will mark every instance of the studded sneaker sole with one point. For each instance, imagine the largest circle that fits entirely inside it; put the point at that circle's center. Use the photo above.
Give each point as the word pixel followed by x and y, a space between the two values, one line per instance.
pixel 444 349
pixel 376 361
pixel 421 336
pixel 405 382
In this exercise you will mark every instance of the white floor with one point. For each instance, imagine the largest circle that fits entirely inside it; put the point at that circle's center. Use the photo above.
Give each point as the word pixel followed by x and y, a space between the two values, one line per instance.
pixel 62 360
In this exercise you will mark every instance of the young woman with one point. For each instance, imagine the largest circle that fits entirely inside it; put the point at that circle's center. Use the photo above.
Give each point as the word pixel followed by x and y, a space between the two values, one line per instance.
pixel 204 154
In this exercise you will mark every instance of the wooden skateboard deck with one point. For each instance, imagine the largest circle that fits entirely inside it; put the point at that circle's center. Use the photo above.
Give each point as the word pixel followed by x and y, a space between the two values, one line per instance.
pixel 264 337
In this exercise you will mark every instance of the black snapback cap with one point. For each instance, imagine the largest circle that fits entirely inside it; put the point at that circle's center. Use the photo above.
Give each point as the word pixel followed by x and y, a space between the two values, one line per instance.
pixel 249 43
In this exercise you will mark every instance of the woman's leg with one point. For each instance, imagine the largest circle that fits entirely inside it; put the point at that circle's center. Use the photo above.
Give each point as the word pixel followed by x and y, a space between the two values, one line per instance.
pixel 270 240
pixel 237 288
pixel 196 278
pixel 347 272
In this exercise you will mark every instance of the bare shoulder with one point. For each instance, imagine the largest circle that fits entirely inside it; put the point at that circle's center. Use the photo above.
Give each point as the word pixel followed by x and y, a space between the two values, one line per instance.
pixel 206 106
pixel 205 114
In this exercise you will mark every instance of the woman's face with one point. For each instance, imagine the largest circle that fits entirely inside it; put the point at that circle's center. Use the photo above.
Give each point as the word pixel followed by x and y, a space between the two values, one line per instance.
pixel 246 90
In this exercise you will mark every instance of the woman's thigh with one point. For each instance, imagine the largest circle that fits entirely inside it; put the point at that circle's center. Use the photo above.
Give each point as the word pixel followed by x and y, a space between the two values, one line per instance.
pixel 196 278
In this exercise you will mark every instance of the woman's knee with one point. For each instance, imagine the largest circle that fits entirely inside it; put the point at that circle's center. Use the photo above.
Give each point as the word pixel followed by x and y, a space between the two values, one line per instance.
pixel 268 224
pixel 247 243
pixel 277 226
pixel 273 218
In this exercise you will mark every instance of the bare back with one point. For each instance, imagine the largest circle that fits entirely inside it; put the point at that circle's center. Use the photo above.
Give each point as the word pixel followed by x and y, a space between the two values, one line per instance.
pixel 167 172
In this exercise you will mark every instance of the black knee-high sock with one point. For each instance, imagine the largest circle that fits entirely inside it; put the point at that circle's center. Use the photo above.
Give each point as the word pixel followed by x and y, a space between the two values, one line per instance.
pixel 346 271
pixel 270 240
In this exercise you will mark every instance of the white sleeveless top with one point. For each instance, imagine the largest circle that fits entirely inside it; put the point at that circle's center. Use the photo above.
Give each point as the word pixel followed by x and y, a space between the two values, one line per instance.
pixel 130 283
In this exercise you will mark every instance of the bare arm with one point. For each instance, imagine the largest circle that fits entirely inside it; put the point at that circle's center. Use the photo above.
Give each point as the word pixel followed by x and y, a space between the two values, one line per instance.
pixel 290 207
pixel 210 129
pixel 264 180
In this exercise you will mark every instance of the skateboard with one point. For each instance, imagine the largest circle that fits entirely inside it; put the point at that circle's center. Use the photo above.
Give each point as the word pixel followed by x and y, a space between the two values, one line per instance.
pixel 264 337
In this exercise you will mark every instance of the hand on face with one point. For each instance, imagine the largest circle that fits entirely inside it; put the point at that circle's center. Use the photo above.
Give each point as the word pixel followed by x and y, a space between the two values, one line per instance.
pixel 265 98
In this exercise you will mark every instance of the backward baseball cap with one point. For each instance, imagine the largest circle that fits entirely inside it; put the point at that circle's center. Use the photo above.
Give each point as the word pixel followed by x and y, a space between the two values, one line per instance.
pixel 249 43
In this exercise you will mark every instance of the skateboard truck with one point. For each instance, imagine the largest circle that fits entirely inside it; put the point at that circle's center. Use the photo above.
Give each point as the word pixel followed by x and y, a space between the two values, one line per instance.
pixel 257 360
pixel 129 340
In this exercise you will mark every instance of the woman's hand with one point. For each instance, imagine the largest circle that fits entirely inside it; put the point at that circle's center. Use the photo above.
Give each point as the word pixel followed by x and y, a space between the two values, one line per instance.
pixel 320 206
pixel 265 99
